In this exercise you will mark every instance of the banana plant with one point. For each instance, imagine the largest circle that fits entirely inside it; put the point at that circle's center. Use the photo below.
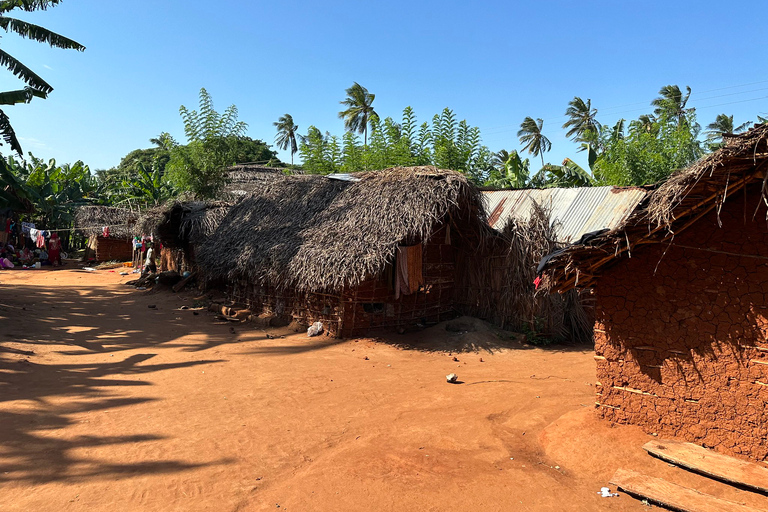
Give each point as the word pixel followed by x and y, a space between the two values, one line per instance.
pixel 515 173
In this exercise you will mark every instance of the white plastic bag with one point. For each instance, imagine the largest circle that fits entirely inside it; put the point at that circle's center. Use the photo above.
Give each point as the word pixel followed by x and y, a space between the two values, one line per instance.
pixel 315 329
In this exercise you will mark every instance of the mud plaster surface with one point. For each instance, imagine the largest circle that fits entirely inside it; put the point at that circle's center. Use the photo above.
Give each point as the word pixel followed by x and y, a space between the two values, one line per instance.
pixel 680 334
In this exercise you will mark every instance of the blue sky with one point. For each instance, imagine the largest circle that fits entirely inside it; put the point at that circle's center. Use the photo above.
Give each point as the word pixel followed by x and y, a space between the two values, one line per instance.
pixel 492 62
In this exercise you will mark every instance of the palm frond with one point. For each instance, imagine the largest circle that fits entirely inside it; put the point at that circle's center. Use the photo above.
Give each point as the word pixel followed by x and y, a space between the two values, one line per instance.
pixel 9 136
pixel 20 96
pixel 27 5
pixel 23 72
pixel 39 34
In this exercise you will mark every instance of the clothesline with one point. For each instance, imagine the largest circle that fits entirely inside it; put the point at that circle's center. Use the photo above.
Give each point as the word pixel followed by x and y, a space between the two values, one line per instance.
pixel 85 228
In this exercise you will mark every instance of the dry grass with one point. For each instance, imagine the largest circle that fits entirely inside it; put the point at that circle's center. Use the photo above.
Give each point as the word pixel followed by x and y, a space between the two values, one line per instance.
pixel 499 284
pixel 90 221
pixel 313 233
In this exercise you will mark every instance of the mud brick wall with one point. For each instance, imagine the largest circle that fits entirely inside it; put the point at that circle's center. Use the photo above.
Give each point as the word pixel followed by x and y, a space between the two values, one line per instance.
pixel 118 249
pixel 681 337
pixel 369 306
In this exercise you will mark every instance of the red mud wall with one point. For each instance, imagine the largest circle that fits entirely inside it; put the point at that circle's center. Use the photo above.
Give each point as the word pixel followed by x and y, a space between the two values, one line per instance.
pixel 682 351
pixel 373 303
pixel 108 249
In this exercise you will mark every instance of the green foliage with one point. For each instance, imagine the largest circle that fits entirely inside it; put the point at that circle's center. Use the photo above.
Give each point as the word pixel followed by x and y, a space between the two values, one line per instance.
pixel 533 139
pixel 359 112
pixel 214 141
pixel 447 143
pixel 671 104
pixel 722 125
pixel 649 153
pixel 514 172
pixel 581 120
pixel 36 86
pixel 54 191
pixel 286 134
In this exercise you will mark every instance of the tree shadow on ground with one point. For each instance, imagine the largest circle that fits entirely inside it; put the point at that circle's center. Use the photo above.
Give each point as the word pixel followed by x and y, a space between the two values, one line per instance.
pixel 468 334
pixel 40 401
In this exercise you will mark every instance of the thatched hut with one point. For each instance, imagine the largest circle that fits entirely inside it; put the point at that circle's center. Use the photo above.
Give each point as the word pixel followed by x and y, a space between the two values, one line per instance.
pixel 681 319
pixel 374 249
pixel 121 223
pixel 181 227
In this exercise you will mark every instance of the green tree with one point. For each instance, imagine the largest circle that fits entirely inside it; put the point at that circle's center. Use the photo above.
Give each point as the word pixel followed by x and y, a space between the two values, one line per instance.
pixel 214 141
pixel 722 125
pixel 286 134
pixel 357 115
pixel 36 86
pixel 314 152
pixel 54 190
pixel 648 156
pixel 533 139
pixel 582 124
pixel 164 141
pixel 515 173
pixel 671 103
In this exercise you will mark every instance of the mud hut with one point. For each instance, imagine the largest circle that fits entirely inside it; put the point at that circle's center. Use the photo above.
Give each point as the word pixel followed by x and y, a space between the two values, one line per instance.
pixel 95 222
pixel 681 317
pixel 361 251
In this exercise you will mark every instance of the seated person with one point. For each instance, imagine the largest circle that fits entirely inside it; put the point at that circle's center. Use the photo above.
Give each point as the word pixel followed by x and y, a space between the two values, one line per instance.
pixel 26 256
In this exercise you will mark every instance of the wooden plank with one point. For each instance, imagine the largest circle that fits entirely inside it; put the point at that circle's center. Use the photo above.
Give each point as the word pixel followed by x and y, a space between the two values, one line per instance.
pixel 712 464
pixel 181 284
pixel 672 496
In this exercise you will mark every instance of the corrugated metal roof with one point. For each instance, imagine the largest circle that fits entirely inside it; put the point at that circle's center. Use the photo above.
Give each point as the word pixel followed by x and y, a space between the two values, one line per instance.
pixel 575 210
pixel 342 177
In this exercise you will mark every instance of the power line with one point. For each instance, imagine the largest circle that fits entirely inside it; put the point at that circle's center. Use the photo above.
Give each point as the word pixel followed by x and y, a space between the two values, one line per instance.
pixel 694 95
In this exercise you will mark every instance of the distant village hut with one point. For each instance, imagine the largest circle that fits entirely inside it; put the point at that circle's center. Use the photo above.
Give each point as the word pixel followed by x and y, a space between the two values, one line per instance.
pixel 681 329
pixel 109 231
pixel 360 251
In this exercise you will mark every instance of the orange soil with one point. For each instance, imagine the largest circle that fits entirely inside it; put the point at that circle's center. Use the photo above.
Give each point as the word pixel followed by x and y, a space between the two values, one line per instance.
pixel 108 405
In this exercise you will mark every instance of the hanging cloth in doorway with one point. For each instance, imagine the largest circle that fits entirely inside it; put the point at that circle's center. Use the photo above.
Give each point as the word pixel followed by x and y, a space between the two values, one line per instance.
pixel 409 275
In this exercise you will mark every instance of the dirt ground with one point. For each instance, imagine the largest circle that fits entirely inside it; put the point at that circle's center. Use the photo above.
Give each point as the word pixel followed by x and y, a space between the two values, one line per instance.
pixel 107 404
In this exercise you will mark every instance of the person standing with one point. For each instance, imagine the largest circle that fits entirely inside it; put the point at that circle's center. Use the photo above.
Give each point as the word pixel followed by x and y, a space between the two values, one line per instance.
pixel 54 250
pixel 149 263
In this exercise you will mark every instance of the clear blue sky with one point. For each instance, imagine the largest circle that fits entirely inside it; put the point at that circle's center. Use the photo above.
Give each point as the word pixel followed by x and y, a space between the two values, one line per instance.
pixel 492 62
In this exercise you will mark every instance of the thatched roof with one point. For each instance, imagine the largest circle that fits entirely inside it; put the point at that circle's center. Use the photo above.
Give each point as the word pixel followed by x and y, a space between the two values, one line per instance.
pixel 670 208
pixel 245 179
pixel 317 233
pixel 90 221
pixel 189 222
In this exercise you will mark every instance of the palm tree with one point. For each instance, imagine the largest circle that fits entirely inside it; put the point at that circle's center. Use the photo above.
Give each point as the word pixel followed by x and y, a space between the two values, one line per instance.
pixel 723 125
pixel 532 139
pixel 581 120
pixel 359 110
pixel 499 159
pixel 671 103
pixel 164 141
pixel 36 86
pixel 286 134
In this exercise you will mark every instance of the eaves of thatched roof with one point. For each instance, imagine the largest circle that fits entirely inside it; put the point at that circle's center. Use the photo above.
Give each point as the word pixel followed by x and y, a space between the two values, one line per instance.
pixel 671 207
pixel 184 222
pixel 315 233
pixel 91 220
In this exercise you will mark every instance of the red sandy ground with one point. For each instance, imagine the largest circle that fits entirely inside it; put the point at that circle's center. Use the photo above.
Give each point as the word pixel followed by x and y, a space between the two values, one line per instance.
pixel 108 405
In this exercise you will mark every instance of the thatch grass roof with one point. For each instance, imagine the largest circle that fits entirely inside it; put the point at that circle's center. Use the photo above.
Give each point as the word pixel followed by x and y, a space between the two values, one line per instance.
pixel 90 221
pixel 670 208
pixel 184 222
pixel 317 233
pixel 245 179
